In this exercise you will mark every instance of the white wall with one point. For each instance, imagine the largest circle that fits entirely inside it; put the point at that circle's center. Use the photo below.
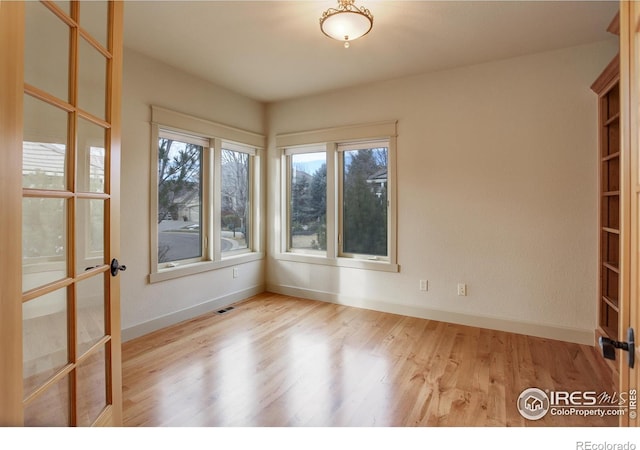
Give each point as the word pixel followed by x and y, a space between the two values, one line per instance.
pixel 497 188
pixel 146 307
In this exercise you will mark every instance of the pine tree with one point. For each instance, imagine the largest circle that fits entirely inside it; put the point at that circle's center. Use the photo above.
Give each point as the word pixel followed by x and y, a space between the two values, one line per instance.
pixel 319 205
pixel 364 207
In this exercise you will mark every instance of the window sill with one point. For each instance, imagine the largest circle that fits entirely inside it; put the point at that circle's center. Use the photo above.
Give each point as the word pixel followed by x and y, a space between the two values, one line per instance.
pixel 354 263
pixel 203 266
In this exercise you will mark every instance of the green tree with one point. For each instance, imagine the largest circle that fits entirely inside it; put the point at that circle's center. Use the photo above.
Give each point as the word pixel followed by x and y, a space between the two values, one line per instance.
pixel 301 202
pixel 318 193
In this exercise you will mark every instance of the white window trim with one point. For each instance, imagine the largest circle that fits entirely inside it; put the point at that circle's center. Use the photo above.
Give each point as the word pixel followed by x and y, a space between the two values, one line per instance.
pixel 304 142
pixel 253 144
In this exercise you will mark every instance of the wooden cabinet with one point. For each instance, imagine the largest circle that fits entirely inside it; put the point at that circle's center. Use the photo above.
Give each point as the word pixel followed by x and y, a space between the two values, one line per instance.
pixel 608 90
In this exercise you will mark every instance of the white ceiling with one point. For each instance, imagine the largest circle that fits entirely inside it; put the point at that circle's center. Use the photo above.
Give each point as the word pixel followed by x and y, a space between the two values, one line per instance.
pixel 273 50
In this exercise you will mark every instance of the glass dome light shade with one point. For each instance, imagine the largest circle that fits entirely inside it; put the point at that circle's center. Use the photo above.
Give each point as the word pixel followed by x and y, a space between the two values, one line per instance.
pixel 346 25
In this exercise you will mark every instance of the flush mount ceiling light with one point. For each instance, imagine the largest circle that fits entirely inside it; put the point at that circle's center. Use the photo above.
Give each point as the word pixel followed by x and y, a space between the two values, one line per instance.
pixel 347 22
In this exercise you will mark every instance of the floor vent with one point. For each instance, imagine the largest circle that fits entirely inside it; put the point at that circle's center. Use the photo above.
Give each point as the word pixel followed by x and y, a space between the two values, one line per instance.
pixel 225 310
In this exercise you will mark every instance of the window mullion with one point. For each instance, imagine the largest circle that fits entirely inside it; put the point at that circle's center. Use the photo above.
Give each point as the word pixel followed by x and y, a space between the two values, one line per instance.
pixel 207 207
pixel 285 199
pixel 332 202
pixel 254 243
pixel 216 201
pixel 392 216
pixel 154 196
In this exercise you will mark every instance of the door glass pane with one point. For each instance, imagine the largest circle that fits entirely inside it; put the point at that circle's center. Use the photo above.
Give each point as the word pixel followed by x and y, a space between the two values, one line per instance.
pixel 91 156
pixel 46 55
pixel 92 79
pixel 308 201
pixel 179 200
pixel 235 200
pixel 94 19
pixel 90 312
pixel 89 234
pixel 44 146
pixel 51 408
pixel 364 193
pixel 92 387
pixel 44 243
pixel 44 333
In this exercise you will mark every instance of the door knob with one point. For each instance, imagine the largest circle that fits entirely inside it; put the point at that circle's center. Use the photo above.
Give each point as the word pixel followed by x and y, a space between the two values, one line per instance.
pixel 116 267
pixel 609 346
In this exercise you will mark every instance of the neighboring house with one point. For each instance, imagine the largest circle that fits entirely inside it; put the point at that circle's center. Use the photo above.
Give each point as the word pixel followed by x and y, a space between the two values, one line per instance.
pixel 378 181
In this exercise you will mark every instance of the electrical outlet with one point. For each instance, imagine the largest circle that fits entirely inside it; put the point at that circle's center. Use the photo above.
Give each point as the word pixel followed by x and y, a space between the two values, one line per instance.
pixel 235 272
pixel 424 285
pixel 462 289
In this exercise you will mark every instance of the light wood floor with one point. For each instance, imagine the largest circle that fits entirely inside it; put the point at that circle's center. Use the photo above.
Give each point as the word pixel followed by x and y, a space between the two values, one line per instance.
pixel 283 361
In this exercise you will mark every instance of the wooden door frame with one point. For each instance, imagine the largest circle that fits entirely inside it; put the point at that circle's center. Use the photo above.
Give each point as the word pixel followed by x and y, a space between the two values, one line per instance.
pixel 11 104
pixel 630 190
pixel 114 115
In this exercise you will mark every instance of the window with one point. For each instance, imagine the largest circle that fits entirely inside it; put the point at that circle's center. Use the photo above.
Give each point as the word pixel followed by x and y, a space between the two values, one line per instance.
pixel 338 198
pixel 307 202
pixel 204 214
pixel 363 191
pixel 235 206
pixel 180 164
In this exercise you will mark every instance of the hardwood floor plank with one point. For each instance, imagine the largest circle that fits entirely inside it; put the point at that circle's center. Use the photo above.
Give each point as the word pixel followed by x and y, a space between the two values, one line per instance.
pixel 283 361
pixel 497 387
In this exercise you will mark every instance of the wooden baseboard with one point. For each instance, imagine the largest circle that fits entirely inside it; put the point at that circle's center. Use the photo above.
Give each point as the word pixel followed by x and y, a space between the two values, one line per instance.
pixel 566 334
pixel 175 317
